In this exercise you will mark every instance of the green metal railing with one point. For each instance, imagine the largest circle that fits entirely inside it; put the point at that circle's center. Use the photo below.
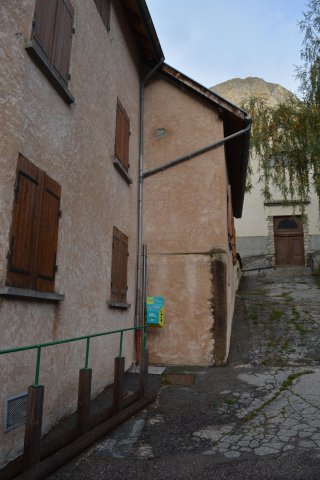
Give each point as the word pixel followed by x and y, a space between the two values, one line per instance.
pixel 87 338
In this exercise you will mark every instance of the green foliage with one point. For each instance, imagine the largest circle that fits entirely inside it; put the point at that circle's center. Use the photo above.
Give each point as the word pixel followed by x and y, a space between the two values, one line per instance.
pixel 285 137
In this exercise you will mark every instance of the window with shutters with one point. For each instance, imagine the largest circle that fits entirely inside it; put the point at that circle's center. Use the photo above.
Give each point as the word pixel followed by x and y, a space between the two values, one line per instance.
pixel 51 38
pixel 119 268
pixel 34 229
pixel 103 7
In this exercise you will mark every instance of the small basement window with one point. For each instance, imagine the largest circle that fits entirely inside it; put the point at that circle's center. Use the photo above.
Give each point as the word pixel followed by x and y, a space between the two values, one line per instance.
pixel 15 411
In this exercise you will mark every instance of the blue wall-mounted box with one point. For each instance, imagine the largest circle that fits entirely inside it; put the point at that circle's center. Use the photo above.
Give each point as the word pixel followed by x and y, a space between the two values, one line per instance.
pixel 155 311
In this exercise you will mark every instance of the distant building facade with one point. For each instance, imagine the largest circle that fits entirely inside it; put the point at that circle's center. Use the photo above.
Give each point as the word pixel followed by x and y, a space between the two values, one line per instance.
pixel 275 232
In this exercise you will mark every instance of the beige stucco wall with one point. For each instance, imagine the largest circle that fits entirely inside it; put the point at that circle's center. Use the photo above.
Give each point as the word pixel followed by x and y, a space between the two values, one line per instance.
pixel 185 218
pixel 75 145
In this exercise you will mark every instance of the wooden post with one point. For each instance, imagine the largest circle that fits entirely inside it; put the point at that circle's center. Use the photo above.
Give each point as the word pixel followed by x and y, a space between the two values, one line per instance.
pixel 144 372
pixel 118 383
pixel 84 399
pixel 32 436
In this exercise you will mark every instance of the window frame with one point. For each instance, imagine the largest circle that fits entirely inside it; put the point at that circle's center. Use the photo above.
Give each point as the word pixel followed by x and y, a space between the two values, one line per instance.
pixel 48 51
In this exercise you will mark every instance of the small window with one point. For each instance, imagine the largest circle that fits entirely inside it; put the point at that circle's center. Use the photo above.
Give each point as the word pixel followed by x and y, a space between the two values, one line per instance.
pixel 52 31
pixel 288 224
pixel 103 7
pixel 122 136
pixel 34 229
pixel 119 267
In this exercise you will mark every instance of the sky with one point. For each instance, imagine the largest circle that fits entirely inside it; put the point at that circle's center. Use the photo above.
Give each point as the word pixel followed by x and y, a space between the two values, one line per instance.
pixel 212 41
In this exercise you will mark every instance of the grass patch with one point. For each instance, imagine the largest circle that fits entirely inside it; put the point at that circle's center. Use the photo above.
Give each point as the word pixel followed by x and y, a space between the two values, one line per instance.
pixel 230 401
pixel 260 291
pixel 285 346
pixel 286 296
pixel 316 276
pixel 285 385
pixel 275 315
pixel 296 321
pixel 165 380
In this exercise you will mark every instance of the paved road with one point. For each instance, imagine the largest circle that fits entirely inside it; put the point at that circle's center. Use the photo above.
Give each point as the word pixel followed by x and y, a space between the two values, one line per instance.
pixel 257 418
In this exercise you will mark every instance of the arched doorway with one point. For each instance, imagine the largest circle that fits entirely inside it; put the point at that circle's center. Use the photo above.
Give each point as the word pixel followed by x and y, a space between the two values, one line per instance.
pixel 288 240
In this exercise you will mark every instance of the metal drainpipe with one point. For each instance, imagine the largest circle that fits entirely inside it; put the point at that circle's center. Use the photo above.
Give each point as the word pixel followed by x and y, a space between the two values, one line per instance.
pixel 195 153
pixel 140 194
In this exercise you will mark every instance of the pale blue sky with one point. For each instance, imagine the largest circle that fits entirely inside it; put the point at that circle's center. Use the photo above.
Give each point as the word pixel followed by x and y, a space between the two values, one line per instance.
pixel 215 40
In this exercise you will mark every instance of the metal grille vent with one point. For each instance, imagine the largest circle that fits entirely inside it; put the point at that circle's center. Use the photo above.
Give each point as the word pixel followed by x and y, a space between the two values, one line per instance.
pixel 15 411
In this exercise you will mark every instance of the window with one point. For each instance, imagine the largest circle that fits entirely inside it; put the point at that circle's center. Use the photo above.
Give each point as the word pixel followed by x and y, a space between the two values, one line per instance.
pixel 34 229
pixel 119 267
pixel 121 148
pixel 103 7
pixel 52 31
pixel 122 136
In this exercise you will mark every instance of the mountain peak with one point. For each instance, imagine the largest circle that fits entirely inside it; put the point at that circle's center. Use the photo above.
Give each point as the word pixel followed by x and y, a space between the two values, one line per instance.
pixel 237 90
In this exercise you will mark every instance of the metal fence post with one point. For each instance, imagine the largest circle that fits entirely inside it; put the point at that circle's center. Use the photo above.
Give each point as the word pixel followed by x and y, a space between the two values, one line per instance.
pixel 32 437
pixel 84 399
pixel 144 372
pixel 118 383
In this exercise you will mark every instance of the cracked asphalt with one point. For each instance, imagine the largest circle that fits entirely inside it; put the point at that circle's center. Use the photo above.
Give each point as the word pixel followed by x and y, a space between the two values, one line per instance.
pixel 256 418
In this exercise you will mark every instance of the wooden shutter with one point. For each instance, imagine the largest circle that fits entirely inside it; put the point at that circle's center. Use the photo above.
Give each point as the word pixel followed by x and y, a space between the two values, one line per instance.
pixel 122 135
pixel 43 25
pixel 103 7
pixel 34 229
pixel 119 266
pixel 62 38
pixel 48 236
pixel 119 132
pixel 23 235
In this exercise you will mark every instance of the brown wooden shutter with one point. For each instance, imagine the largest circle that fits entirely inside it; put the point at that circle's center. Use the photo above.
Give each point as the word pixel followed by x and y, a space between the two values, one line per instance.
pixel 119 266
pixel 23 234
pixel 48 235
pixel 119 132
pixel 34 229
pixel 125 141
pixel 63 38
pixel 43 25
pixel 122 135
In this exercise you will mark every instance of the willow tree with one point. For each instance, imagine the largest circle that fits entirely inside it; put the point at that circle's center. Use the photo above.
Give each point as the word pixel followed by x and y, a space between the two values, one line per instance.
pixel 286 137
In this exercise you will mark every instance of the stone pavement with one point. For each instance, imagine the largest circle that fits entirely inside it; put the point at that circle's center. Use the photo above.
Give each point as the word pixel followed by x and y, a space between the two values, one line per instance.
pixel 257 418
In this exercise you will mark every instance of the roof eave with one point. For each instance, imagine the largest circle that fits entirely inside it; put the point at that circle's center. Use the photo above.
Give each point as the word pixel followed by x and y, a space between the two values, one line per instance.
pixel 143 29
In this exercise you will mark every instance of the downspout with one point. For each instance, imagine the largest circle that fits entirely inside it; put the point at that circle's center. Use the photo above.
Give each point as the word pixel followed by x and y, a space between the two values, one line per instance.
pixel 200 151
pixel 140 201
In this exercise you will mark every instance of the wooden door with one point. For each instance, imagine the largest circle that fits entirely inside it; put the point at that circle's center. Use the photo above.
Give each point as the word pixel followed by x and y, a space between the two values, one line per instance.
pixel 288 239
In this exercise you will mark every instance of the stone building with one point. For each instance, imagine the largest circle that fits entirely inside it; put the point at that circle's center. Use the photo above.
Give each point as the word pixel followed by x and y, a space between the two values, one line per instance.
pixel 189 210
pixel 70 106
pixel 272 232
pixel 73 85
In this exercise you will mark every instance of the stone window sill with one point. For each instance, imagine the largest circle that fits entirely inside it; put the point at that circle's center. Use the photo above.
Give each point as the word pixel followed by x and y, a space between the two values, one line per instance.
pixel 31 294
pixel 123 172
pixel 57 82
pixel 113 304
